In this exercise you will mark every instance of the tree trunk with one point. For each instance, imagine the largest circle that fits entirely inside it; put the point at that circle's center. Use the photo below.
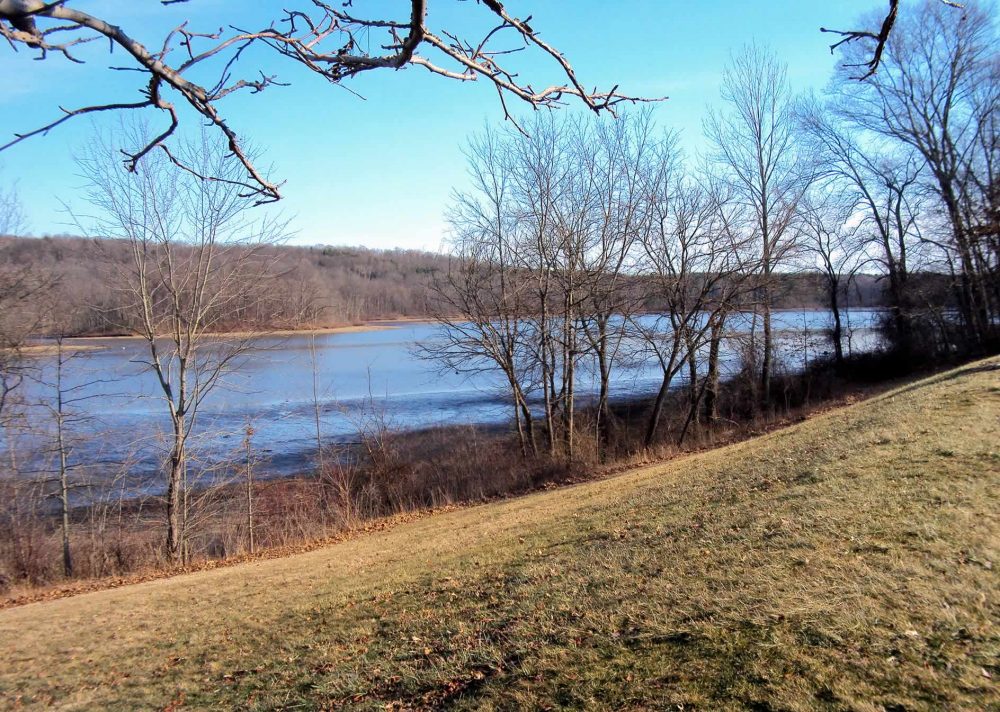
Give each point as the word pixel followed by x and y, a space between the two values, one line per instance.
pixel 64 501
pixel 692 412
pixel 654 416
pixel 570 406
pixel 249 473
pixel 711 401
pixel 692 361
pixel 174 486
pixel 838 331
pixel 765 371
pixel 974 301
pixel 547 363
pixel 549 391
pixel 63 466
pixel 524 419
pixel 522 437
pixel 603 406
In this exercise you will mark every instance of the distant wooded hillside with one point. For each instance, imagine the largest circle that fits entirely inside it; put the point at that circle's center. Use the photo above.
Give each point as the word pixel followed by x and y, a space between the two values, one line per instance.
pixel 314 286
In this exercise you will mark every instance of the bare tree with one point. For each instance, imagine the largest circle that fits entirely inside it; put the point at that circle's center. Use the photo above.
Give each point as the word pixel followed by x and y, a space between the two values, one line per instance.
pixel 60 416
pixel 195 259
pixel 67 391
pixel 581 191
pixel 249 462
pixel 938 94
pixel 12 217
pixel 20 311
pixel 318 37
pixel 616 157
pixel 543 171
pixel 485 301
pixel 697 262
pixel 545 243
pixel 829 240
pixel 754 145
pixel 880 183
pixel 317 405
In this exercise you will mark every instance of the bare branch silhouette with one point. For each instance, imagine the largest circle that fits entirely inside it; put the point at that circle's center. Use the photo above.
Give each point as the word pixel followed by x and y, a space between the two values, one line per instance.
pixel 880 38
pixel 323 39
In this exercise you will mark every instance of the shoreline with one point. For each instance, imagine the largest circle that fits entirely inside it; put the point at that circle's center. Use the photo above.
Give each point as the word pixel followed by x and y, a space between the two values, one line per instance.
pixel 46 349
pixel 43 345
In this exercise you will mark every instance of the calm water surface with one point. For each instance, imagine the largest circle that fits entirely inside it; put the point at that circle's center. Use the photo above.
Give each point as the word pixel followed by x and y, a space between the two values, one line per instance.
pixel 120 417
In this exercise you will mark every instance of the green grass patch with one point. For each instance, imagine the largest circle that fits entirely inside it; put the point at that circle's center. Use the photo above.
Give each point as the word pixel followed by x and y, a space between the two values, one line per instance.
pixel 849 562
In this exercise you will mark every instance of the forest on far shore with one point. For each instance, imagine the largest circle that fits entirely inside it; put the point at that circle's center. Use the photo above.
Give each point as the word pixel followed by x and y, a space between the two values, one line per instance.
pixel 322 285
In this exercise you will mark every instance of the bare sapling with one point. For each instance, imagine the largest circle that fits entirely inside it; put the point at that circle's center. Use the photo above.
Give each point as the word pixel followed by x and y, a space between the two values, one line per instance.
pixel 755 149
pixel 248 472
pixel 198 262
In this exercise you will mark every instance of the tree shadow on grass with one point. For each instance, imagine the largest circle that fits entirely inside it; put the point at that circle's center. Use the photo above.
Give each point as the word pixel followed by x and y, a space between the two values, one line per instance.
pixel 992 365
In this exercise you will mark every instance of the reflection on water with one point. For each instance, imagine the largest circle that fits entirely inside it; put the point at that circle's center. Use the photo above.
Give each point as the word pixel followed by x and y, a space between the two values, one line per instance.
pixel 272 387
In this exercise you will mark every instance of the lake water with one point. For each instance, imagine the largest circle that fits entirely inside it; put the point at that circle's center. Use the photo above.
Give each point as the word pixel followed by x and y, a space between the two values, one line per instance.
pixel 120 417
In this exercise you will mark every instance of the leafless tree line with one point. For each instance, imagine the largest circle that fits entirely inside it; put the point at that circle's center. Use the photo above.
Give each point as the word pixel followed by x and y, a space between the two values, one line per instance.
pixel 558 243
pixel 914 150
pixel 20 286
pixel 893 175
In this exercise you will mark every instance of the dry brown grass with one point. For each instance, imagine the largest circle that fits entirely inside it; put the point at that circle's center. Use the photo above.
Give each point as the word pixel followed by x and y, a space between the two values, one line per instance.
pixel 849 562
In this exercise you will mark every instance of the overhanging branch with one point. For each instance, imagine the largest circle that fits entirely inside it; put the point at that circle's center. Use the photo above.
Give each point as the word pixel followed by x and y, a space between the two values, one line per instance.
pixel 323 39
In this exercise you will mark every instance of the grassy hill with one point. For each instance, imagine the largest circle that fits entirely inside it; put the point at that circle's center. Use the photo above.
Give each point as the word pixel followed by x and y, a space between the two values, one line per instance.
pixel 849 562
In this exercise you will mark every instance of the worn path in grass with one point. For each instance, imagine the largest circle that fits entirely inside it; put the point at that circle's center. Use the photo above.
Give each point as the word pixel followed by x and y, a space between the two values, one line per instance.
pixel 849 562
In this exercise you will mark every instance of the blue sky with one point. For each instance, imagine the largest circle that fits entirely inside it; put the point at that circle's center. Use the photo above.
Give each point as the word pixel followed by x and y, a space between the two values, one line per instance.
pixel 379 171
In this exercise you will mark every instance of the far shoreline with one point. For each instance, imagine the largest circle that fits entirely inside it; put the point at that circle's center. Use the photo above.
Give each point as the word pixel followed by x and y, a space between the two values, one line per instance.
pixel 45 345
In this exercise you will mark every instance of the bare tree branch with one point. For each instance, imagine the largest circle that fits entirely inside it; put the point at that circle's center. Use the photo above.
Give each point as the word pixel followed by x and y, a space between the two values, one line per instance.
pixel 880 38
pixel 323 39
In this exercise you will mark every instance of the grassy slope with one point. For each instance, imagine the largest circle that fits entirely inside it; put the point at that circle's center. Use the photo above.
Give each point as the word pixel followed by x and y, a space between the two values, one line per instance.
pixel 850 562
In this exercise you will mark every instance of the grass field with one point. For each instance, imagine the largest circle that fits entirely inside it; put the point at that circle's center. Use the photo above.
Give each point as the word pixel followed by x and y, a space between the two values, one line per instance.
pixel 849 562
